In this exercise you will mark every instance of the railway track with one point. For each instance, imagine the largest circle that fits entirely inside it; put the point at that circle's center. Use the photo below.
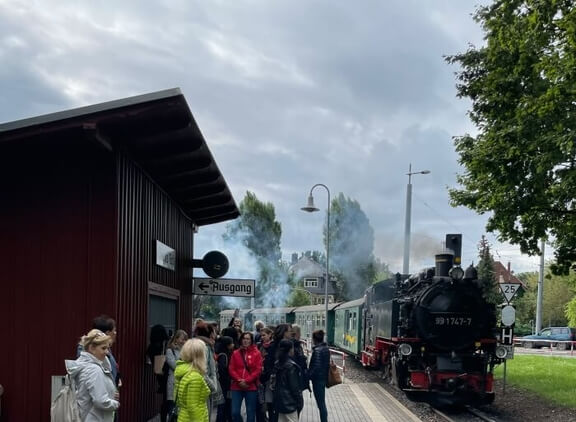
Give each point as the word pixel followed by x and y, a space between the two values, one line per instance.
pixel 468 414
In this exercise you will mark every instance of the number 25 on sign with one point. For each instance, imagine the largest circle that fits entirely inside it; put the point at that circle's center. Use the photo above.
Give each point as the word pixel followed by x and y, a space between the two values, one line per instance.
pixel 509 290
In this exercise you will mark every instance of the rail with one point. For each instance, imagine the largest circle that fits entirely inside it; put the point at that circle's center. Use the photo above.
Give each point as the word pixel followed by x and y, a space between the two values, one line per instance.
pixel 569 344
pixel 343 355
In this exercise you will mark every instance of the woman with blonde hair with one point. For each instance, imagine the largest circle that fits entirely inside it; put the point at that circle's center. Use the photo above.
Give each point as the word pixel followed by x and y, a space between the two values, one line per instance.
pixel 172 356
pixel 96 394
pixel 191 390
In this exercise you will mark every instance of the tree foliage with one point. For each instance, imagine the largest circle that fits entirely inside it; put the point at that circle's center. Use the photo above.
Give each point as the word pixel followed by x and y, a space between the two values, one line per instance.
pixel 259 231
pixel 555 299
pixel 521 166
pixel 351 247
pixel 491 290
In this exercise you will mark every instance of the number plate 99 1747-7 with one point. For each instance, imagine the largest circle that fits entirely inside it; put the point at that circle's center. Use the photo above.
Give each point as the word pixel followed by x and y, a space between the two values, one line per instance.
pixel 452 321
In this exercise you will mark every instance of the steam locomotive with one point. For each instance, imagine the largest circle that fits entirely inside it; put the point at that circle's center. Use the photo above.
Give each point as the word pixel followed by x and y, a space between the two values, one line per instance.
pixel 432 334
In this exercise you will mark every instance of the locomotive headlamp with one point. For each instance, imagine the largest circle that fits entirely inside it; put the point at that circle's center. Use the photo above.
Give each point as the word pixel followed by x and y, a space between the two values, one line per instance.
pixel 405 349
pixel 501 352
pixel 457 273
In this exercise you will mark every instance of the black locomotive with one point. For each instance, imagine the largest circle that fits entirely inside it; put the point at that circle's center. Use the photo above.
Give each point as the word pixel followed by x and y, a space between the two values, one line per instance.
pixel 434 332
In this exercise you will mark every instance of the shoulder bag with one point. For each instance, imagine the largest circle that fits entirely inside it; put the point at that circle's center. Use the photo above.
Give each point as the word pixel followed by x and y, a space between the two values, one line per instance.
pixel 334 377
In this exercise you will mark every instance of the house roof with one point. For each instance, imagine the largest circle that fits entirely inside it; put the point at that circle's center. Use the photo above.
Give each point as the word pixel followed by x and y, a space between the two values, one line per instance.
pixel 307 267
pixel 158 132
pixel 502 275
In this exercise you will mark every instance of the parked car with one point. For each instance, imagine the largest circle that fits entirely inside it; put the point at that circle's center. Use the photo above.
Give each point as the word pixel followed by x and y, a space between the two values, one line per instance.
pixel 548 336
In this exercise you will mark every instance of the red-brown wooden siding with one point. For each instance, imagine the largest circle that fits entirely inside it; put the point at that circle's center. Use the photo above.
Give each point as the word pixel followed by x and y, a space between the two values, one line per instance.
pixel 57 263
pixel 146 214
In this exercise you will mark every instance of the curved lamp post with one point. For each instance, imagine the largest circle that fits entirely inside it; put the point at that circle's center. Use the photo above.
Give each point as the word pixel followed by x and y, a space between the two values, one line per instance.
pixel 310 207
pixel 406 263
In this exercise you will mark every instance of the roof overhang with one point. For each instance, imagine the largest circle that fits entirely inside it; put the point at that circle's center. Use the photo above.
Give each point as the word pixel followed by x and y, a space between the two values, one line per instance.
pixel 159 133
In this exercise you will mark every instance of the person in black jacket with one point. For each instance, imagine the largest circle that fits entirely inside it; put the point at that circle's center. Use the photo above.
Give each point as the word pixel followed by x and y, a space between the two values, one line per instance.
pixel 288 399
pixel 223 350
pixel 300 357
pixel 318 371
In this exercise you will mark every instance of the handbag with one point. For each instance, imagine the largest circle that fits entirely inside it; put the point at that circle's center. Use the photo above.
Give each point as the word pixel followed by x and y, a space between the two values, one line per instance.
pixel 334 377
pixel 159 361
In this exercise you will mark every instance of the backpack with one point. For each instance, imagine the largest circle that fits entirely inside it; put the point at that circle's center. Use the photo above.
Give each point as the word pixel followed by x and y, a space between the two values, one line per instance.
pixel 64 408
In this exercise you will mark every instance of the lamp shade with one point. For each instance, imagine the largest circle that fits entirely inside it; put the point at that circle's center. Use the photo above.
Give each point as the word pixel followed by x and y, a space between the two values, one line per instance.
pixel 310 206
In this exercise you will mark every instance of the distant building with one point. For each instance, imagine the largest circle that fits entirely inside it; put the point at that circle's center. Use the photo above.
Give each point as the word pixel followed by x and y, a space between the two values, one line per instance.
pixel 311 277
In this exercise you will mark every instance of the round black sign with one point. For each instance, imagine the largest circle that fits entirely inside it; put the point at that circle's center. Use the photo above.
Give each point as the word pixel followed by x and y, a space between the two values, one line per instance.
pixel 215 264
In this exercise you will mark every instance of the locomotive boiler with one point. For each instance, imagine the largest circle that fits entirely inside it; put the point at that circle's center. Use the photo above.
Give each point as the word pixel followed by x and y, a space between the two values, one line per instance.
pixel 432 333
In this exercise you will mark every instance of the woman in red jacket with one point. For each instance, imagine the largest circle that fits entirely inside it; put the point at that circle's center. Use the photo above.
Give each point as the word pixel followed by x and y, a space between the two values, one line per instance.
pixel 245 369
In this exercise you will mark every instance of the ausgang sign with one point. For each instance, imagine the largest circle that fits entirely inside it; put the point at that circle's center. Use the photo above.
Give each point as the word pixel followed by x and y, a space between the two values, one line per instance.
pixel 224 287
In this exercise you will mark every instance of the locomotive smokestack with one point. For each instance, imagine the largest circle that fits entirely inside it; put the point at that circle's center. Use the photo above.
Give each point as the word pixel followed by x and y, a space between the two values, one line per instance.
pixel 444 262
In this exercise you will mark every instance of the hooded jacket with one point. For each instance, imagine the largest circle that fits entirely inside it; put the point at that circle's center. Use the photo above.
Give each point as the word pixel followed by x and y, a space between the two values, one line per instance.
pixel 191 393
pixel 245 364
pixel 95 388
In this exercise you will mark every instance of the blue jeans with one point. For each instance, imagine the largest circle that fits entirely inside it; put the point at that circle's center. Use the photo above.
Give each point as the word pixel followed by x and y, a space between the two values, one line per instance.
pixel 251 398
pixel 319 389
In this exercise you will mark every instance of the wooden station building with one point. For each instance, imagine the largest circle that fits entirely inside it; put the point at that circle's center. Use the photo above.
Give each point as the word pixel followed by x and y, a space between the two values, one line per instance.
pixel 98 210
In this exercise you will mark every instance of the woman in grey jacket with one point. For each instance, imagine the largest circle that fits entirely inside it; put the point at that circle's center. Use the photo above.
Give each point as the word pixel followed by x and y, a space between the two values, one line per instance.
pixel 96 391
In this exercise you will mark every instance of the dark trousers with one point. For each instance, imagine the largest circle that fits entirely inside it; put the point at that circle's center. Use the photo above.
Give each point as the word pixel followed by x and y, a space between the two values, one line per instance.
pixel 224 411
pixel 167 406
pixel 319 389
pixel 272 414
pixel 261 412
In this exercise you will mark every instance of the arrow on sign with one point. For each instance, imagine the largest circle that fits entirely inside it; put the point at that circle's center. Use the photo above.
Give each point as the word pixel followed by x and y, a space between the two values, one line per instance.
pixel 509 290
pixel 203 286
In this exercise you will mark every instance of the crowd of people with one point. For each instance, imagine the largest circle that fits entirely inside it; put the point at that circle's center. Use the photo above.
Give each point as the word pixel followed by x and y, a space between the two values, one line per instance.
pixel 214 371
pixel 267 370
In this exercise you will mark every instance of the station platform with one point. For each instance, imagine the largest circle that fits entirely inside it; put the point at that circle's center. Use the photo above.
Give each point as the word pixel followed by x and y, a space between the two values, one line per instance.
pixel 367 402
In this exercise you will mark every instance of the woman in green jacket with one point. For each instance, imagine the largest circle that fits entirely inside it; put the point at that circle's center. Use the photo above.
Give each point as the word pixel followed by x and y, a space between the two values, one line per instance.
pixel 191 391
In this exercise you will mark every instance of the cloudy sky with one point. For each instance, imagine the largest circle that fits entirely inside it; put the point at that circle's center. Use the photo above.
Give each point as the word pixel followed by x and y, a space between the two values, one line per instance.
pixel 287 94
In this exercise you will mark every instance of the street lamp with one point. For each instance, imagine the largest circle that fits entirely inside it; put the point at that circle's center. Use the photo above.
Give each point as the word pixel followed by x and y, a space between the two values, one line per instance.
pixel 311 208
pixel 406 264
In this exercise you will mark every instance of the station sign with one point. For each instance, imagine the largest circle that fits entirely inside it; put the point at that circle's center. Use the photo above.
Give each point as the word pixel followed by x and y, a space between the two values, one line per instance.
pixel 224 287
pixel 509 290
pixel 507 336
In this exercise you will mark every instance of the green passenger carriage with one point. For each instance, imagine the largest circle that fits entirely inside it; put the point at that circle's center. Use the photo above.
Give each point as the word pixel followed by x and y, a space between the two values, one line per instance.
pixel 348 329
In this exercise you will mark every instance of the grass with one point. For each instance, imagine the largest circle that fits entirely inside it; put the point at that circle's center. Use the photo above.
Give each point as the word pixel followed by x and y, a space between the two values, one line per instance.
pixel 551 377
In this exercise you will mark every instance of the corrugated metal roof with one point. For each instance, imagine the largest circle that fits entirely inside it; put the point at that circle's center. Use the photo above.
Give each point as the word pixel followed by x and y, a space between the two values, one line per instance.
pixel 159 133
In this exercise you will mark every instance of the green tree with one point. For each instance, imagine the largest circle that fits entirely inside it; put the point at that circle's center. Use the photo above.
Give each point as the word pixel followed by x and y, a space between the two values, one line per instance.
pixel 556 296
pixel 351 247
pixel 491 290
pixel 299 297
pixel 525 304
pixel 382 271
pixel 260 233
pixel 521 166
